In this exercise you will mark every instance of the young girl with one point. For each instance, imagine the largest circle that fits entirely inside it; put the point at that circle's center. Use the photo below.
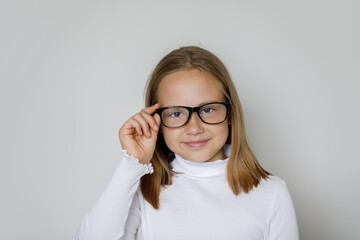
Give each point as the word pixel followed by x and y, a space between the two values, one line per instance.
pixel 187 171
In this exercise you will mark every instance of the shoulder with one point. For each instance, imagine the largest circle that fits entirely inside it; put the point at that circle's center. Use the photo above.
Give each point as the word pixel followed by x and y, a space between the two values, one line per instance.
pixel 276 190
pixel 273 194
pixel 271 183
pixel 282 217
pixel 271 188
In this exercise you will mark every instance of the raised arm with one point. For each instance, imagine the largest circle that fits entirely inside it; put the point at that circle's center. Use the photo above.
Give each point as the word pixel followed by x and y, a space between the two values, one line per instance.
pixel 107 219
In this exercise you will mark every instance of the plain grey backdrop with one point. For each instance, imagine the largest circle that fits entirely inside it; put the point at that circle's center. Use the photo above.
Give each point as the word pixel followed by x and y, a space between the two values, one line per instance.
pixel 72 72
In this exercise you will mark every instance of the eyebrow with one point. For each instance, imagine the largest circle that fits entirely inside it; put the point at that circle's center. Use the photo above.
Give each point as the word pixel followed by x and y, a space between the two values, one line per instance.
pixel 202 103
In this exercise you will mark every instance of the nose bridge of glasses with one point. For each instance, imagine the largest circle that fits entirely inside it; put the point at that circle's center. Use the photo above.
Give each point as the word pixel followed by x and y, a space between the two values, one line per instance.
pixel 194 111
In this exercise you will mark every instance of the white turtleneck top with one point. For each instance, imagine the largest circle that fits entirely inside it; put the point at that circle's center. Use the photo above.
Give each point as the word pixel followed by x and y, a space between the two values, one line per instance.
pixel 198 205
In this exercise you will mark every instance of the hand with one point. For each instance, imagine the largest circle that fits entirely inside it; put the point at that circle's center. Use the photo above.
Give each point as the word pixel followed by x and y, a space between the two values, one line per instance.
pixel 138 135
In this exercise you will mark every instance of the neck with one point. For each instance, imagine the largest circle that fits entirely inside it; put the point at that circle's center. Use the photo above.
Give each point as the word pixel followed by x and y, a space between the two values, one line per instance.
pixel 202 169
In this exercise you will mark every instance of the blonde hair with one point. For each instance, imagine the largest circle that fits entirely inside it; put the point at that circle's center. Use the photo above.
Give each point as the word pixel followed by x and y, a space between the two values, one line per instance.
pixel 243 171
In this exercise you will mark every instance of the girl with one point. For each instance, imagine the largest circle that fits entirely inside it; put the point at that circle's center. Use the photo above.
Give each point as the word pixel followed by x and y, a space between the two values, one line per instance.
pixel 187 170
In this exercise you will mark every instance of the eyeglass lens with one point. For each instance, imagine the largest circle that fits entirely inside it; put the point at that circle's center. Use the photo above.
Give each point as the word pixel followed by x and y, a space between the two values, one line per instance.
pixel 210 113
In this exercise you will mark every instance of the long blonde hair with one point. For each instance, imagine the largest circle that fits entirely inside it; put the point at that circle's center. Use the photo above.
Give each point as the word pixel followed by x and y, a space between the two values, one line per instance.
pixel 243 171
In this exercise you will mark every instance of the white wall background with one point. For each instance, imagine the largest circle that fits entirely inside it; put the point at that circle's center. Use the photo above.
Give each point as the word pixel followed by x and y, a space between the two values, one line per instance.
pixel 72 72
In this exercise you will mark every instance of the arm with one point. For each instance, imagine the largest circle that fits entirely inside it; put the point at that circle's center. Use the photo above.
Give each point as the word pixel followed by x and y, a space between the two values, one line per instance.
pixel 107 218
pixel 134 219
pixel 283 223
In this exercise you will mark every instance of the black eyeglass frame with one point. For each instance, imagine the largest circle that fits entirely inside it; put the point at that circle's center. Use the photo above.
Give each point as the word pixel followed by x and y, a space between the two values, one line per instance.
pixel 194 109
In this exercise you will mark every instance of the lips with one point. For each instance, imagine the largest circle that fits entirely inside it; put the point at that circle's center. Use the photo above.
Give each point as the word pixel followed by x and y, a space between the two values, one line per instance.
pixel 196 144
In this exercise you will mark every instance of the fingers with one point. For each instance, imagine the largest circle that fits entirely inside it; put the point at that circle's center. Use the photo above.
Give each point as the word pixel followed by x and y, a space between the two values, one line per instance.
pixel 146 122
pixel 143 122
pixel 150 110
pixel 134 124
pixel 157 119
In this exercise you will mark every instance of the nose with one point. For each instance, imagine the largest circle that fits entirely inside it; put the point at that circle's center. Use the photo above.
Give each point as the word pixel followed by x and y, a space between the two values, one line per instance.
pixel 194 125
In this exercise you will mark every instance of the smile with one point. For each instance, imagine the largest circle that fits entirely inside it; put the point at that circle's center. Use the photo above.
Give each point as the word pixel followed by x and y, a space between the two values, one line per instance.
pixel 197 144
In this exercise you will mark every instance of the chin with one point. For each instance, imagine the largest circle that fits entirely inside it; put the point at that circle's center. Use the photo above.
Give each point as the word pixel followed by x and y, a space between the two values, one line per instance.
pixel 197 156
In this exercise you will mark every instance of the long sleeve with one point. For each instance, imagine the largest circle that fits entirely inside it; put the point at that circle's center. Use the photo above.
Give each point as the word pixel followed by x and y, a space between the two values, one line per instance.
pixel 108 217
pixel 283 223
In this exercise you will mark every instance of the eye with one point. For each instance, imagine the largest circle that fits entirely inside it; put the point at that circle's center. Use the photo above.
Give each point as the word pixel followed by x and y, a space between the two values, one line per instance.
pixel 207 110
pixel 175 114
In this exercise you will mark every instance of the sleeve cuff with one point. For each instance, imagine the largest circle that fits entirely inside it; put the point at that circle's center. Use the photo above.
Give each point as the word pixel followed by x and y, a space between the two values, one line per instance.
pixel 148 167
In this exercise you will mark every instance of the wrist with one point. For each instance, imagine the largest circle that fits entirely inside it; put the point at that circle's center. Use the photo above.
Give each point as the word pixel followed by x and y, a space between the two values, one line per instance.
pixel 147 165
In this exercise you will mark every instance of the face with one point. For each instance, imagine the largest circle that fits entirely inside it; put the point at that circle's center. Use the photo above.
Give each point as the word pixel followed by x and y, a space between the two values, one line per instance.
pixel 195 141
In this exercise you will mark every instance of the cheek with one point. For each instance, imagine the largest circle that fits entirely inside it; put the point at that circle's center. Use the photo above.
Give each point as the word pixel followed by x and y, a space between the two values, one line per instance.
pixel 223 131
pixel 170 135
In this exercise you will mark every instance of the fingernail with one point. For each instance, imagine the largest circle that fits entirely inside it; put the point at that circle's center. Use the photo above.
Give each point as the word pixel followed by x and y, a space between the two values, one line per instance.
pixel 148 133
pixel 155 127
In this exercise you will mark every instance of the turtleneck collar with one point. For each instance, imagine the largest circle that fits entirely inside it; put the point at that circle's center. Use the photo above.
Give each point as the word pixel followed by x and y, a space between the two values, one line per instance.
pixel 201 169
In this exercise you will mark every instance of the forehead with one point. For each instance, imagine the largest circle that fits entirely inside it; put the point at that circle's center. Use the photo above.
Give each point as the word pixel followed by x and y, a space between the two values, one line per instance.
pixel 189 88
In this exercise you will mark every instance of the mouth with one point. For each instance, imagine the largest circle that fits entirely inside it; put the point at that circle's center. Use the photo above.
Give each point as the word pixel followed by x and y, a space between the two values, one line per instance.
pixel 196 144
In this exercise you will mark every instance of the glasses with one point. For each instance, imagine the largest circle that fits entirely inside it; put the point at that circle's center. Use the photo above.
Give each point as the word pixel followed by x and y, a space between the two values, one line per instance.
pixel 209 113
